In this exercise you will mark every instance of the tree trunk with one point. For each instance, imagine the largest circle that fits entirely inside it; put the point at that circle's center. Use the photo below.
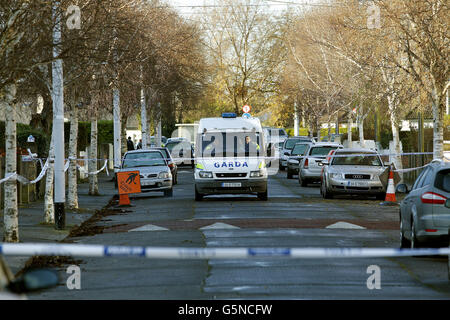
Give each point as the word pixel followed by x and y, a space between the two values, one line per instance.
pixel 93 181
pixel 11 213
pixel 349 128
pixel 397 158
pixel 72 191
pixel 49 213
pixel 438 126
pixel 123 136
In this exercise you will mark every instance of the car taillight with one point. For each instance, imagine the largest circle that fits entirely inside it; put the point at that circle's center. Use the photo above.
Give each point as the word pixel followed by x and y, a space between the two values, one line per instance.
pixel 306 163
pixel 433 198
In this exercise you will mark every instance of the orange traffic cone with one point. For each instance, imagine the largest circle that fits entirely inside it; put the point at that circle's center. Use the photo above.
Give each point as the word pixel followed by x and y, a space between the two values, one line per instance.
pixel 124 200
pixel 390 192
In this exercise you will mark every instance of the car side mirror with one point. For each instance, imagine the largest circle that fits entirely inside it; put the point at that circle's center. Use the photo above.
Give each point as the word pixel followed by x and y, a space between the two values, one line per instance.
pixel 402 188
pixel 447 203
pixel 34 280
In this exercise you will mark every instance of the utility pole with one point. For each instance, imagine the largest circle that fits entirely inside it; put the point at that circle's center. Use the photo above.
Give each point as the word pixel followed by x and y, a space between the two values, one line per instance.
pixel 58 120
pixel 296 132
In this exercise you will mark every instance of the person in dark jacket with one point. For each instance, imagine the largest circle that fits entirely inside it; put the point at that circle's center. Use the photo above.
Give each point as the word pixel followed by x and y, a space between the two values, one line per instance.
pixel 130 144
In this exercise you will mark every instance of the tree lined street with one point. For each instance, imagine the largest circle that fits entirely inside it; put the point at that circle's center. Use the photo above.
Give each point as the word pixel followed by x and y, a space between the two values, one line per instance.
pixel 81 82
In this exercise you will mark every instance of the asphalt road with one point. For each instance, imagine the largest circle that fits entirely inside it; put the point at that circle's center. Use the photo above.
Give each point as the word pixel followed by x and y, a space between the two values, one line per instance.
pixel 292 217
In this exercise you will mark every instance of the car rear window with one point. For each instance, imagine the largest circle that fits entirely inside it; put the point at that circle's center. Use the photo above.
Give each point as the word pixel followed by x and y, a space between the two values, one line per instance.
pixel 442 181
pixel 321 151
pixel 299 149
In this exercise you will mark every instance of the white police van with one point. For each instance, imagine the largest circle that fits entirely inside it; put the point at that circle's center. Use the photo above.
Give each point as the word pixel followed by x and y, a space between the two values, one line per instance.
pixel 230 157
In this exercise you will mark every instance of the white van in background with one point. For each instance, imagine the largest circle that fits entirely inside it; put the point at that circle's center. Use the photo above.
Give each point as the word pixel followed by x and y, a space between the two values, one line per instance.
pixel 230 157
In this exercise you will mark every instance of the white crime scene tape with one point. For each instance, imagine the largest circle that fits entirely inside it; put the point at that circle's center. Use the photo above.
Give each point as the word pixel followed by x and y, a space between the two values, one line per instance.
pixel 77 250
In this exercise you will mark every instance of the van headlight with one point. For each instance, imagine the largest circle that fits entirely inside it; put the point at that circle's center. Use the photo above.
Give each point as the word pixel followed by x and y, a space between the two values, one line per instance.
pixel 257 174
pixel 163 175
pixel 205 174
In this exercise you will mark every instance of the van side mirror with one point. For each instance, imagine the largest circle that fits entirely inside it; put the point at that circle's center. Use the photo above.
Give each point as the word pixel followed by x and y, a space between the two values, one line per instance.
pixel 34 280
pixel 402 188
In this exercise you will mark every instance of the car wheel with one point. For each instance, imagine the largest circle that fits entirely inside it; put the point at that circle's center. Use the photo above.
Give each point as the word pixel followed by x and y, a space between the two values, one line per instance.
pixel 381 196
pixel 414 243
pixel 289 174
pixel 198 196
pixel 281 167
pixel 263 196
pixel 324 191
pixel 168 193
pixel 404 243
pixel 302 182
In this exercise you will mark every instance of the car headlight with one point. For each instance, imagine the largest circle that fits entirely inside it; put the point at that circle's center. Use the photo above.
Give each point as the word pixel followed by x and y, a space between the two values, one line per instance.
pixel 163 175
pixel 257 174
pixel 336 175
pixel 205 174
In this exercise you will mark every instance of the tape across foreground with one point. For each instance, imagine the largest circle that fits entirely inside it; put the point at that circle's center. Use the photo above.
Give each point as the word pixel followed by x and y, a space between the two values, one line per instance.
pixel 75 250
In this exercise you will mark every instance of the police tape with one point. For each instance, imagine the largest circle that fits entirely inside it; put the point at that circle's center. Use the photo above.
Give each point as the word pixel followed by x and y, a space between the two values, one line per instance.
pixel 80 250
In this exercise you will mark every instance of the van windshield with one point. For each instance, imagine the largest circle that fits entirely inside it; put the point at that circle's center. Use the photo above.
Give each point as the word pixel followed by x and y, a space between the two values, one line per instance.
pixel 230 144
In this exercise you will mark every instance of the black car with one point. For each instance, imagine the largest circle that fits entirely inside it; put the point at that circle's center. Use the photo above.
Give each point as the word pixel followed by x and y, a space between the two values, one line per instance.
pixel 295 157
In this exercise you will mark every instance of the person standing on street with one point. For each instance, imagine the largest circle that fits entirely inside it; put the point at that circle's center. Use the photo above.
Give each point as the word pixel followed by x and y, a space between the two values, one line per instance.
pixel 130 144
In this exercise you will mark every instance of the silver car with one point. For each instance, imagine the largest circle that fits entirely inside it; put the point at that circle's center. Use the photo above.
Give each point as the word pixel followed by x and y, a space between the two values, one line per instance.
pixel 154 172
pixel 310 168
pixel 296 157
pixel 353 171
pixel 425 211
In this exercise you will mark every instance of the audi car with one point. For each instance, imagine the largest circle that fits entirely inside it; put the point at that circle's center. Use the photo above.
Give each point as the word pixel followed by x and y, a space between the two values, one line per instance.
pixel 353 171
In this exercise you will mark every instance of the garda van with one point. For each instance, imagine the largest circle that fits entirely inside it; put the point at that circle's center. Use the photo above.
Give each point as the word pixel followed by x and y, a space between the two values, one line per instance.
pixel 229 157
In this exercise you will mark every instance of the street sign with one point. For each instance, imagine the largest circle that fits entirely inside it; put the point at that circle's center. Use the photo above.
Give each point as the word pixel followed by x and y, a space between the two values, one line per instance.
pixel 128 182
pixel 31 139
pixel 246 108
pixel 246 115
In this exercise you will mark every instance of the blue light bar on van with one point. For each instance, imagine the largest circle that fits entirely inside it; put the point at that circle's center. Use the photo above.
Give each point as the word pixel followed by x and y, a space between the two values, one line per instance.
pixel 229 115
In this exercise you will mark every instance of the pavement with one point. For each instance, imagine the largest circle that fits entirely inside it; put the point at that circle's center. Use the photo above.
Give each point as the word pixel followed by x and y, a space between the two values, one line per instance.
pixel 31 218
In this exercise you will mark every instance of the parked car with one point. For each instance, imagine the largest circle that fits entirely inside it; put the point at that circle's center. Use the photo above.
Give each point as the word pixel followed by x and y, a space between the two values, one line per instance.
pixel 288 144
pixel 310 168
pixel 425 211
pixel 296 156
pixel 182 152
pixel 31 281
pixel 353 171
pixel 171 163
pixel 154 171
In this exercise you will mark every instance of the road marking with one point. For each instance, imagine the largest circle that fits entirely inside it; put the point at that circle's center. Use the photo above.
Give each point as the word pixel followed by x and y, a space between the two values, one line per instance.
pixel 219 225
pixel 149 227
pixel 344 225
